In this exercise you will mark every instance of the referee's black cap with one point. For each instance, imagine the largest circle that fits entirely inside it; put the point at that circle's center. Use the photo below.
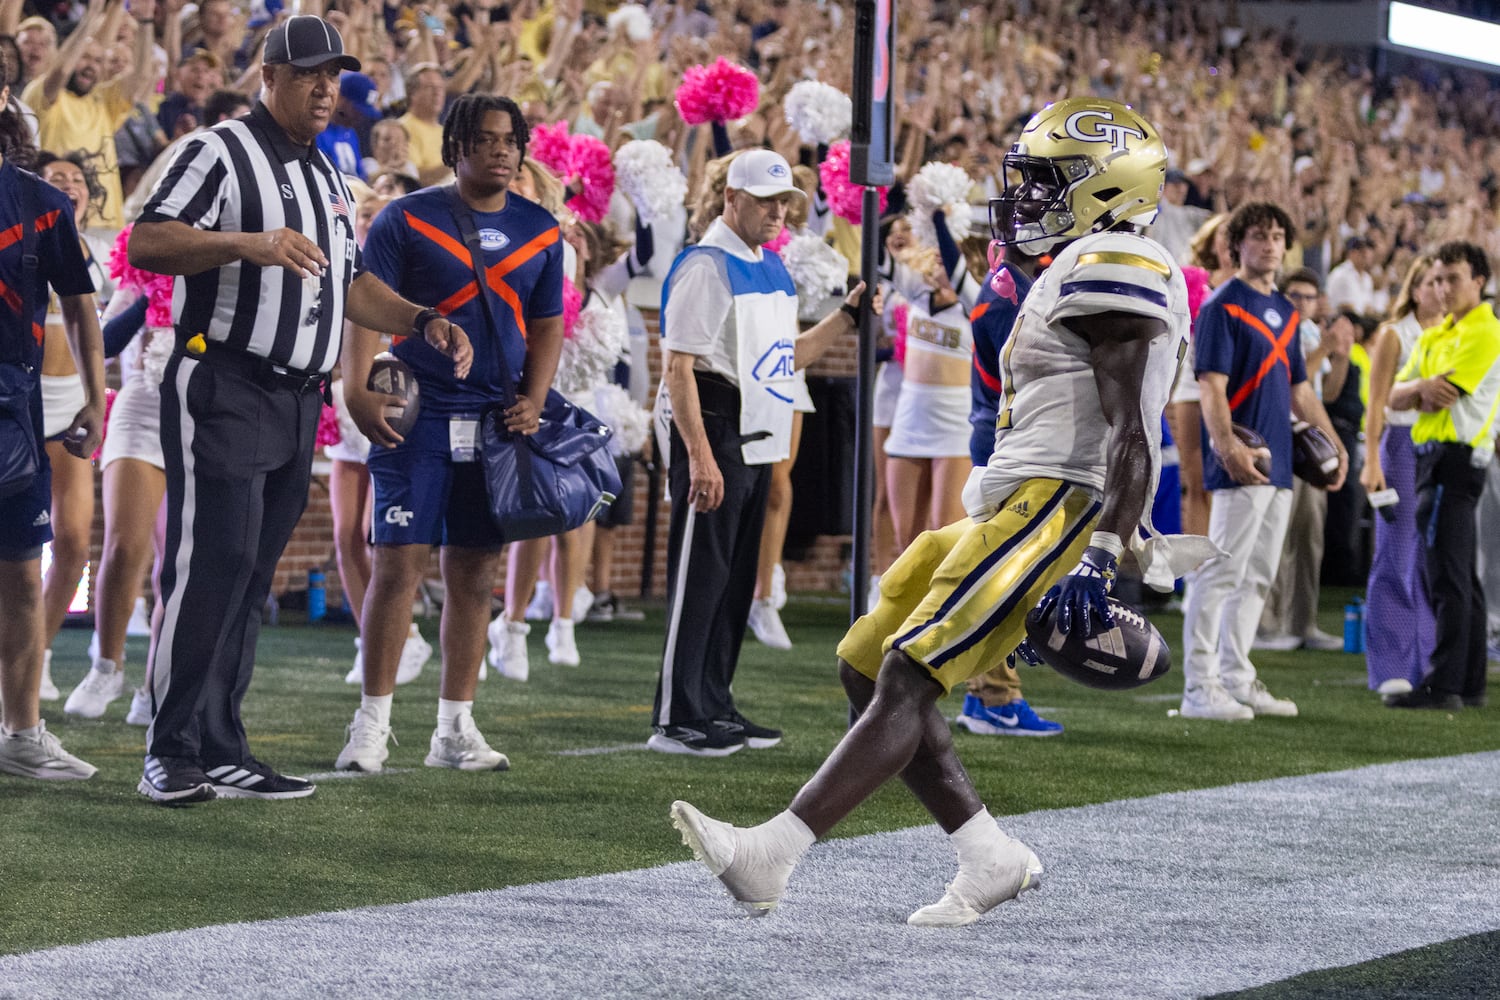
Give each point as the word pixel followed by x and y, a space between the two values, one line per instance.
pixel 306 41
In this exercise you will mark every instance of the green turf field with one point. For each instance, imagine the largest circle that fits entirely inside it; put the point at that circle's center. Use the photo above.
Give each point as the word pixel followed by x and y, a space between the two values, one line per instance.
pixel 84 861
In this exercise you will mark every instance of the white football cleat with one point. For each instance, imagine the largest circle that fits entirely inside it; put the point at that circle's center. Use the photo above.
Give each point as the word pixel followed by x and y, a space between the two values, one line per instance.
pixel 755 879
pixel 1013 870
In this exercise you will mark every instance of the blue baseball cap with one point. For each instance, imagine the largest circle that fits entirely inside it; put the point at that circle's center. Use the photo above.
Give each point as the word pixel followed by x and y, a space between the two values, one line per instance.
pixel 360 91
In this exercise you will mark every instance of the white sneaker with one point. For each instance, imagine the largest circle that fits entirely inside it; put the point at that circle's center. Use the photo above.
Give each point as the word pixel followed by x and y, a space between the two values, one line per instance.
pixel 1211 701
pixel 540 608
pixel 97 689
pixel 415 653
pixel 508 648
pixel 140 708
pixel 1013 870
pixel 561 649
pixel 1275 642
pixel 1262 702
pixel 778 587
pixel 753 877
pixel 366 748
pixel 583 599
pixel 140 619
pixel 48 690
pixel 1322 642
pixel 765 622
pixel 463 747
pixel 356 674
pixel 1394 686
pixel 40 755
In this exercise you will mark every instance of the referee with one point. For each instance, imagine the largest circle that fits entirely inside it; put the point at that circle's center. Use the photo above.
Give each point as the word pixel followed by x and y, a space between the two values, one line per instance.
pixel 256 222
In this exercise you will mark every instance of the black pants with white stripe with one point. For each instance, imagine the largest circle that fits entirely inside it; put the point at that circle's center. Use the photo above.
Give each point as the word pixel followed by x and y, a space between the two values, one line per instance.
pixel 711 561
pixel 238 460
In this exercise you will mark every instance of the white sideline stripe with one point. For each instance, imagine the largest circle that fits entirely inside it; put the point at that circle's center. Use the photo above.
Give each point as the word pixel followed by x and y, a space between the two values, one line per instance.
pixel 674 624
pixel 342 775
pixel 600 751
pixel 1182 894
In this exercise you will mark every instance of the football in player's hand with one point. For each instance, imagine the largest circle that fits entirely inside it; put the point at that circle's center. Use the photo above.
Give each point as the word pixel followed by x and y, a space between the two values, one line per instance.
pixel 390 376
pixel 1315 457
pixel 1126 656
pixel 1250 438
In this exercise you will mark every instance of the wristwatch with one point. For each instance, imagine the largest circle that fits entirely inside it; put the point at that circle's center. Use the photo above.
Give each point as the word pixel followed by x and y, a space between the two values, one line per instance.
pixel 419 325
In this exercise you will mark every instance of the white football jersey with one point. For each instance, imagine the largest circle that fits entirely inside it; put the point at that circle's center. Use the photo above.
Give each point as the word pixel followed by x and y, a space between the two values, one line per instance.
pixel 1050 423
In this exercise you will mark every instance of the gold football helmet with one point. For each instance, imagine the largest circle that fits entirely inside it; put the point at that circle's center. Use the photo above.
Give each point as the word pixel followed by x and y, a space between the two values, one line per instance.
pixel 1080 166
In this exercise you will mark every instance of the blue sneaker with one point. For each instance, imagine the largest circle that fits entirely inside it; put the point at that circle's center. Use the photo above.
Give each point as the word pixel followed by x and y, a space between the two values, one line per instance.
pixel 1013 719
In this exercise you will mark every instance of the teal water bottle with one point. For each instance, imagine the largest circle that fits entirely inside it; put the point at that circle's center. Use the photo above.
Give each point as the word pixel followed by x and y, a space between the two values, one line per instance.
pixel 317 597
pixel 1354 626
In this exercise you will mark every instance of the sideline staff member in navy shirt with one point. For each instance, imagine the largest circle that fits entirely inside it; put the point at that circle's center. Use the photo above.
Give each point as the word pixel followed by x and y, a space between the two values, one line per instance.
pixel 26 748
pixel 256 222
pixel 429 487
pixel 1250 371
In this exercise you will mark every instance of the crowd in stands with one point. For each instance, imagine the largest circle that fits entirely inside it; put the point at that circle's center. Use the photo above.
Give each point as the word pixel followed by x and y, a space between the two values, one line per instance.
pixel 1372 171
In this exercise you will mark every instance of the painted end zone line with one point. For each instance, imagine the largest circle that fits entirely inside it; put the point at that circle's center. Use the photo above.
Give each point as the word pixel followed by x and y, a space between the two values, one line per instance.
pixel 598 751
pixel 343 775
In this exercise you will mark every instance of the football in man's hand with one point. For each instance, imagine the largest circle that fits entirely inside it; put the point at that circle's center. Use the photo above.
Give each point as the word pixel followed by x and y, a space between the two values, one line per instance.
pixel 390 376
pixel 1315 457
pixel 1126 656
pixel 1250 438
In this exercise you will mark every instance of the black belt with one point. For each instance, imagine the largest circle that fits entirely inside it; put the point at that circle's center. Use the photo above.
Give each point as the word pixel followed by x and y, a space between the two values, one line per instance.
pixel 718 397
pixel 1433 447
pixel 262 371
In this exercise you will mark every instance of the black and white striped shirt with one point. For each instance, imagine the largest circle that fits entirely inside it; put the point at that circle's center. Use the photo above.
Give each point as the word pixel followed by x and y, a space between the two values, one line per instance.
pixel 246 175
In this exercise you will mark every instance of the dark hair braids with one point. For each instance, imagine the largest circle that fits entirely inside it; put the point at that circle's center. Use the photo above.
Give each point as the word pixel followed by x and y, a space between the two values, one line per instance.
pixel 15 138
pixel 85 162
pixel 463 121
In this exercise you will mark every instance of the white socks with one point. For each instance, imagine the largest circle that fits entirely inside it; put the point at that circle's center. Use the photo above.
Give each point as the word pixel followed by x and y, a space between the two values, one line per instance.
pixel 450 712
pixel 105 666
pixel 976 841
pixel 377 707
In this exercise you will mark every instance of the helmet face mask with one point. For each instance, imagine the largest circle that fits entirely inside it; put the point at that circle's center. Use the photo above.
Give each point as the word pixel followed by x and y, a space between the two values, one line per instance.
pixel 1080 166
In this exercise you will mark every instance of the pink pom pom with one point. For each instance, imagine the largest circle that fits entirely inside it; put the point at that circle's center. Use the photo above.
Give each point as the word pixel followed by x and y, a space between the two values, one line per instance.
pixel 718 93
pixel 1197 288
pixel 899 316
pixel 572 306
pixel 780 240
pixel 328 427
pixel 156 287
pixel 844 197
pixel 591 163
pixel 552 147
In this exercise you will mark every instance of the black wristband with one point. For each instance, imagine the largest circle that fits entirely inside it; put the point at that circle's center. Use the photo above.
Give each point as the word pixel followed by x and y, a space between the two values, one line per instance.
pixel 419 325
pixel 851 311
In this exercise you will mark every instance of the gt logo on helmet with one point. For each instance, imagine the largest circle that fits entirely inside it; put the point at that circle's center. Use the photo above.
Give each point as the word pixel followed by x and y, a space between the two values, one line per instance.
pixel 1110 133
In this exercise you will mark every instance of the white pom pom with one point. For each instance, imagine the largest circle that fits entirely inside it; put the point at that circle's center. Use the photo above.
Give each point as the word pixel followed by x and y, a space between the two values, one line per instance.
pixel 634 19
pixel 157 354
pixel 940 186
pixel 818 270
pixel 631 424
pixel 646 172
pixel 589 356
pixel 821 114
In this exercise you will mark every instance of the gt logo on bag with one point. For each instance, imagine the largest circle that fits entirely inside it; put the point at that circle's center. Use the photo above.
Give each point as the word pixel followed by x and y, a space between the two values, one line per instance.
pixel 399 515
pixel 1110 133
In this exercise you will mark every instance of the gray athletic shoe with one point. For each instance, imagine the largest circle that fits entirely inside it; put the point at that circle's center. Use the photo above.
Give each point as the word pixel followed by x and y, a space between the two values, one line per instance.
pixel 40 755
pixel 463 747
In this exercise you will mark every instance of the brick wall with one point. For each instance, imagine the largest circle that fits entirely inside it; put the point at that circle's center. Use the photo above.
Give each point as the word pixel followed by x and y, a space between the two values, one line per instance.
pixel 312 542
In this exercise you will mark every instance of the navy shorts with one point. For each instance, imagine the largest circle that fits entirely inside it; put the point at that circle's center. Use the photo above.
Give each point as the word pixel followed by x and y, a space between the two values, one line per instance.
pixel 421 496
pixel 26 517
